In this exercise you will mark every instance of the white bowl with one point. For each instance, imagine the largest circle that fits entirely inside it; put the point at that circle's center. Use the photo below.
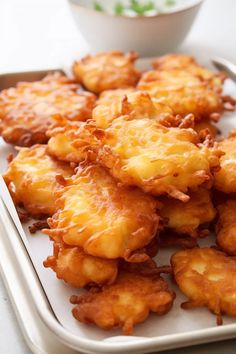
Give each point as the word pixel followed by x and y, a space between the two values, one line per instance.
pixel 149 36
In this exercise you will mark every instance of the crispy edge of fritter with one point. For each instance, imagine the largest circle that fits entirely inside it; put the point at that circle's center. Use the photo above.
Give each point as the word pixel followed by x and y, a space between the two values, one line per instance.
pixel 198 212
pixel 126 302
pixel 78 269
pixel 182 273
pixel 36 151
pixel 226 227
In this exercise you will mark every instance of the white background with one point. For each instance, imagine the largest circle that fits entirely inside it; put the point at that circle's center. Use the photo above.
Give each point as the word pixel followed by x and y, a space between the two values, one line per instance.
pixel 37 34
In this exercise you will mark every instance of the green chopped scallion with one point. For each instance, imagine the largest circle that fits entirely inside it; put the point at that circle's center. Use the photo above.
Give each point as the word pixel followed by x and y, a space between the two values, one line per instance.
pixel 169 2
pixel 119 8
pixel 98 7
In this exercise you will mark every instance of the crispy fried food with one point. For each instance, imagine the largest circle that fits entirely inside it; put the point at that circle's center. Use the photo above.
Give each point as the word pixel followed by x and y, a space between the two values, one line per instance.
pixel 225 178
pixel 104 219
pixel 125 303
pixel 184 92
pixel 135 104
pixel 174 61
pixel 185 86
pixel 79 269
pixel 159 160
pixel 226 227
pixel 185 218
pixel 31 180
pixel 206 125
pixel 207 278
pixel 188 63
pixel 106 71
pixel 26 111
pixel 62 138
pixel 107 97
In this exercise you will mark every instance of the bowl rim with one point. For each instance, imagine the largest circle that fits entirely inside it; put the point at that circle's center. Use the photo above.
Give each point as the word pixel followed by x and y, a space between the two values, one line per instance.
pixel 195 3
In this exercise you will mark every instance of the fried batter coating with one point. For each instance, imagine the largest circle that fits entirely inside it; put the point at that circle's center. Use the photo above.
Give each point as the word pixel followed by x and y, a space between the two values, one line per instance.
pixel 104 219
pixel 206 125
pixel 185 218
pixel 79 269
pixel 26 111
pixel 188 63
pixel 159 160
pixel 135 104
pixel 125 303
pixel 184 92
pixel 62 138
pixel 107 97
pixel 106 71
pixel 225 178
pixel 226 227
pixel 174 61
pixel 207 278
pixel 31 180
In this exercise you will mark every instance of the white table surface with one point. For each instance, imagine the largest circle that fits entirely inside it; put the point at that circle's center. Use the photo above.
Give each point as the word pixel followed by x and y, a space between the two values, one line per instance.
pixel 37 34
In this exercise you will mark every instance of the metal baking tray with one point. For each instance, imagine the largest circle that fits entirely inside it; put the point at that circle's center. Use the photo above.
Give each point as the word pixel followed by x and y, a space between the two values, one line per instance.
pixel 22 279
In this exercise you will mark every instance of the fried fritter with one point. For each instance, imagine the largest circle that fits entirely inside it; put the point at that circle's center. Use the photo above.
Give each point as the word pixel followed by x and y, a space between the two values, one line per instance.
pixel 207 278
pixel 226 227
pixel 106 71
pixel 184 92
pixel 79 269
pixel 31 180
pixel 26 111
pixel 62 138
pixel 159 160
pixel 225 178
pixel 125 303
pixel 107 97
pixel 187 63
pixel 185 218
pixel 135 104
pixel 174 61
pixel 104 219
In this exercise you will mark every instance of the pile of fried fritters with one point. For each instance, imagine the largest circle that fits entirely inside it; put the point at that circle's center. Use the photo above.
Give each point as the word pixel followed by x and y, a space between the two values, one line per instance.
pixel 122 163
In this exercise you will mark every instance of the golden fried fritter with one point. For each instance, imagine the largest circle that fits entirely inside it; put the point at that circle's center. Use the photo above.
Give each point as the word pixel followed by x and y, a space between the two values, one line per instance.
pixel 62 138
pixel 125 303
pixel 185 218
pixel 174 61
pixel 31 179
pixel 107 97
pixel 159 160
pixel 187 63
pixel 225 178
pixel 207 278
pixel 135 104
pixel 106 71
pixel 226 227
pixel 104 219
pixel 79 269
pixel 184 92
pixel 26 111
